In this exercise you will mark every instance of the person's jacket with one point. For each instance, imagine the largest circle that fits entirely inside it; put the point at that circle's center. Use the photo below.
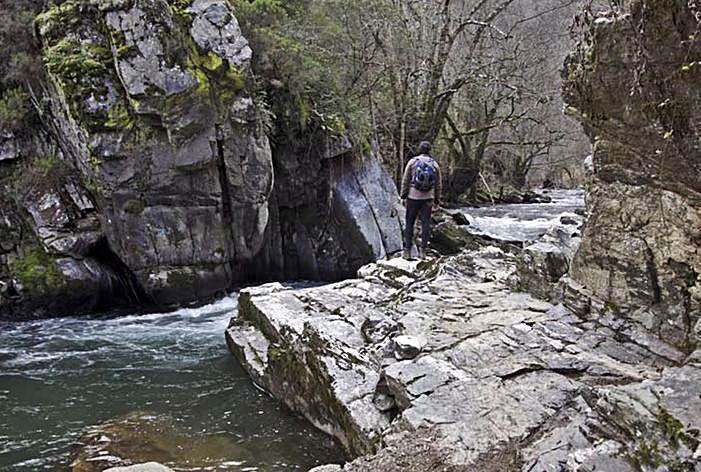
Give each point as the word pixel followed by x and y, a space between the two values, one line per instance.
pixel 409 191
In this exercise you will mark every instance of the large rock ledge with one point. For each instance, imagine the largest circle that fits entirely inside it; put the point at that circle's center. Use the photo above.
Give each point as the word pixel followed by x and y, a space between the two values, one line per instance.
pixel 439 365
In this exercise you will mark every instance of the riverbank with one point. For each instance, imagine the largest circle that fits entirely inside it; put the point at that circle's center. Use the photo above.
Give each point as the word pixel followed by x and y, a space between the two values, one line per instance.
pixel 448 364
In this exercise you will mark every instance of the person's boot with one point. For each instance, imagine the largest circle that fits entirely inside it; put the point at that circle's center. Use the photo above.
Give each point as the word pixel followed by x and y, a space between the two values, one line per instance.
pixel 406 254
pixel 422 253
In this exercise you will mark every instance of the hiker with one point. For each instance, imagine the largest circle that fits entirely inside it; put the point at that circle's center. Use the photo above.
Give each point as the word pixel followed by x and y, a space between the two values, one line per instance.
pixel 421 192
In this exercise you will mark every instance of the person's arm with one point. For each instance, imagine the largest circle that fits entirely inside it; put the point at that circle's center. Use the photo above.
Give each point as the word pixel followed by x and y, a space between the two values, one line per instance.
pixel 439 186
pixel 406 181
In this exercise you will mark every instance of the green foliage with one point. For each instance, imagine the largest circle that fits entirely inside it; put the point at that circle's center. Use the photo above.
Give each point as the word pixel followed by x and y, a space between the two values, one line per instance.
pixel 37 271
pixel 303 63
pixel 19 63
pixel 118 117
pixel 179 10
pixel 57 18
pixel 14 109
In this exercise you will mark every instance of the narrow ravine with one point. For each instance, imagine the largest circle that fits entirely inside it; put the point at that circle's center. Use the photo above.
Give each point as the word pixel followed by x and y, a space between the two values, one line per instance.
pixel 61 376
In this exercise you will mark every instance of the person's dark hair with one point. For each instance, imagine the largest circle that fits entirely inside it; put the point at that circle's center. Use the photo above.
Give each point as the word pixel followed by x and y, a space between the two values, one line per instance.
pixel 424 147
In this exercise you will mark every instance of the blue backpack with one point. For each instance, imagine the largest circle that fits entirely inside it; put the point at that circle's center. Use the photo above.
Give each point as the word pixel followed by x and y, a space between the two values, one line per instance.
pixel 424 174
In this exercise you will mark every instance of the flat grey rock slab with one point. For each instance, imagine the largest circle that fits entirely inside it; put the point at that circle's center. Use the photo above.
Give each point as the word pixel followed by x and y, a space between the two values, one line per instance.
pixel 445 349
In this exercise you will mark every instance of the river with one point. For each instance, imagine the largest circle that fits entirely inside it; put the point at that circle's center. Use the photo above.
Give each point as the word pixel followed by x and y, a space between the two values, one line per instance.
pixel 60 376
pixel 524 222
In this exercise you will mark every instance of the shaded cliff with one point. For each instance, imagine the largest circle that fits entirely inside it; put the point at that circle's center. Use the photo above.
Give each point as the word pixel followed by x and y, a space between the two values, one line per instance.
pixel 152 179
pixel 634 84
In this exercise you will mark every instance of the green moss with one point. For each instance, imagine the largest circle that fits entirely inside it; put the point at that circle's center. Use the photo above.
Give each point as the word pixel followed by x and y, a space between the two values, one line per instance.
pixel 181 278
pixel 72 60
pixel 37 272
pixel 192 65
pixel 92 185
pixel 57 18
pixel 236 78
pixel 610 307
pixel 648 454
pixel 179 10
pixel 134 207
pixel 303 111
pixel 675 431
pixel 80 68
pixel 118 117
pixel 211 62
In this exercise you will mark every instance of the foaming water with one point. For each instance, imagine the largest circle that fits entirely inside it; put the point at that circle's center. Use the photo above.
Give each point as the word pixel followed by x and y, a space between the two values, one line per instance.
pixel 60 376
pixel 523 222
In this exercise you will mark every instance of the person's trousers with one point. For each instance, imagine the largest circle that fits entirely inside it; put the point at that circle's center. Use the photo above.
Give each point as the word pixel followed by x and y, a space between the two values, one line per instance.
pixel 422 209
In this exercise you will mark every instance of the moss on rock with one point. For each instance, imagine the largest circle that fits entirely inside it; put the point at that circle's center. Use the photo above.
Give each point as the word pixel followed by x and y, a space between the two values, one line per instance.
pixel 37 272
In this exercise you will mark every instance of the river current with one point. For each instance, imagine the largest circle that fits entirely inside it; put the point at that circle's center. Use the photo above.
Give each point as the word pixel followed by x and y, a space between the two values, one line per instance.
pixel 524 222
pixel 60 376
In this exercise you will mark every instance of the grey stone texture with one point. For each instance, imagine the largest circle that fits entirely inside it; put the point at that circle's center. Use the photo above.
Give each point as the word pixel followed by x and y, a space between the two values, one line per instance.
pixel 502 381
pixel 638 99
pixel 169 191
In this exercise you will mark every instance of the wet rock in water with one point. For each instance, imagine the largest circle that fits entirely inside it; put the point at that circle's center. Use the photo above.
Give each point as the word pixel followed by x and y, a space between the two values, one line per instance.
pixel 408 347
pixel 140 438
pixel 568 220
pixel 512 198
pixel 460 218
pixel 533 197
pixel 146 467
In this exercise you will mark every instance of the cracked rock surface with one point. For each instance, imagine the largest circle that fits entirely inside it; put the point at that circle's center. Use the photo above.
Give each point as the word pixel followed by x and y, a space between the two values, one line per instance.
pixel 503 381
pixel 164 188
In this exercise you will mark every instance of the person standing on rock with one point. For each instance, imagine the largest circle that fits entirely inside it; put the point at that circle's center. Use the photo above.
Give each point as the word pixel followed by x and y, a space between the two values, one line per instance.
pixel 421 192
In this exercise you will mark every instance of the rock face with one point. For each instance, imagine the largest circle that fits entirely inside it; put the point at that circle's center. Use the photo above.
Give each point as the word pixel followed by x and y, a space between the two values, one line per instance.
pixel 638 97
pixel 439 365
pixel 153 181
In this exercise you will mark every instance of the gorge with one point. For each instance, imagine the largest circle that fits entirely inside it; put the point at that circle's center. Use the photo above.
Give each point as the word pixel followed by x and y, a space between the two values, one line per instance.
pixel 159 174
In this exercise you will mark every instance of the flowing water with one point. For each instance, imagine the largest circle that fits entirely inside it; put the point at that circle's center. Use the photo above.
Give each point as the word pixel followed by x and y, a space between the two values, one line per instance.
pixel 60 376
pixel 524 222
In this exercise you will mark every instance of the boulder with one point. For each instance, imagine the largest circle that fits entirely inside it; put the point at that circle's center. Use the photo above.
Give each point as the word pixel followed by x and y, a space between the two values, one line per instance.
pixel 460 218
pixel 543 263
pixel 141 442
pixel 408 347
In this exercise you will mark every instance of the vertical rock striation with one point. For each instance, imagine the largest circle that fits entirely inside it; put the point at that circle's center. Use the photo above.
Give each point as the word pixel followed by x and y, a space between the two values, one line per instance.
pixel 634 84
pixel 152 179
